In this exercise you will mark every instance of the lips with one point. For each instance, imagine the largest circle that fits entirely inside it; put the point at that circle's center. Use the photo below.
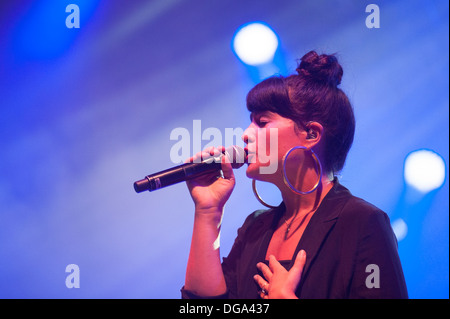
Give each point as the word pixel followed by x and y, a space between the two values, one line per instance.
pixel 249 155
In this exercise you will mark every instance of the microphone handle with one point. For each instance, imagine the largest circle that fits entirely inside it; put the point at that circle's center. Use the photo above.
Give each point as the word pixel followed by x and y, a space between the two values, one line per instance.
pixel 175 175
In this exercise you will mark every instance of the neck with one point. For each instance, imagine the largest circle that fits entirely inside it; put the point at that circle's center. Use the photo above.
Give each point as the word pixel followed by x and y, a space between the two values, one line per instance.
pixel 301 205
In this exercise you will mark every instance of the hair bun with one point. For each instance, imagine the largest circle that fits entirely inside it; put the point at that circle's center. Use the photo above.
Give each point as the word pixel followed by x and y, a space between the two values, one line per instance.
pixel 323 68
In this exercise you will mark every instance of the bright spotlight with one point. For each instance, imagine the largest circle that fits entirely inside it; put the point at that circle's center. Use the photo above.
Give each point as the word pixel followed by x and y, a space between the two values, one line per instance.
pixel 400 229
pixel 255 43
pixel 424 170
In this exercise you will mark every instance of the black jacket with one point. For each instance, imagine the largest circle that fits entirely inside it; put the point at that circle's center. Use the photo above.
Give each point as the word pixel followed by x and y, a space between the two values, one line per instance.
pixel 351 252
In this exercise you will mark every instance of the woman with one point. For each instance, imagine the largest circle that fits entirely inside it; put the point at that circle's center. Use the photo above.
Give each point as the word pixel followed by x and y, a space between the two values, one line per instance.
pixel 321 242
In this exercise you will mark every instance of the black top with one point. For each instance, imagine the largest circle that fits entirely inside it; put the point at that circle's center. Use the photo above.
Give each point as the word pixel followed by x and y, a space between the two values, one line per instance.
pixel 351 252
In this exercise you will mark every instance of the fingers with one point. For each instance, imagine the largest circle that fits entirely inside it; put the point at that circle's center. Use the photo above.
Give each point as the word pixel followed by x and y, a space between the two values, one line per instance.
pixel 206 153
pixel 267 273
pixel 209 152
pixel 261 282
pixel 274 265
pixel 296 271
pixel 264 285
pixel 300 261
pixel 227 169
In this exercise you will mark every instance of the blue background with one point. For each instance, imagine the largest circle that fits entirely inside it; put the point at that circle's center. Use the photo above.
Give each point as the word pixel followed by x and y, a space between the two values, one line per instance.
pixel 86 112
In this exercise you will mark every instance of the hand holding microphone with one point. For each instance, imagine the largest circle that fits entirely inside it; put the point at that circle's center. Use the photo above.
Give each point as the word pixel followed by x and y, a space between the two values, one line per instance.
pixel 202 175
pixel 211 191
pixel 233 155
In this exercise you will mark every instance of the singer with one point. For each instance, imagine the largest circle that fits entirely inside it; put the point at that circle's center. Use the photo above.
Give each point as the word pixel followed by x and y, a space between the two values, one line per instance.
pixel 321 241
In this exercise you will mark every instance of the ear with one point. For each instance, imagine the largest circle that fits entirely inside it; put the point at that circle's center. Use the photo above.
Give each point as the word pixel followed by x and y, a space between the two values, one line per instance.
pixel 314 133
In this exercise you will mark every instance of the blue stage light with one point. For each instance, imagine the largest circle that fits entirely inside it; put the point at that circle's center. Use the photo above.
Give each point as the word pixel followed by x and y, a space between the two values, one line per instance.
pixel 400 228
pixel 255 43
pixel 424 170
pixel 42 32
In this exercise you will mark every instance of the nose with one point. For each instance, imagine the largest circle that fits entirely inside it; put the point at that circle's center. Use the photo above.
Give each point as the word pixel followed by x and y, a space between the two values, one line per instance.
pixel 249 135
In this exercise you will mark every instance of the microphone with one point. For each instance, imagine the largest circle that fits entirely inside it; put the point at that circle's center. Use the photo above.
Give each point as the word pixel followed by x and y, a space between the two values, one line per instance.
pixel 184 172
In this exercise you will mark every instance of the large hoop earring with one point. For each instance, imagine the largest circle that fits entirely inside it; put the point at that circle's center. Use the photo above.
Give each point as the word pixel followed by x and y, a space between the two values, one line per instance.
pixel 259 197
pixel 318 167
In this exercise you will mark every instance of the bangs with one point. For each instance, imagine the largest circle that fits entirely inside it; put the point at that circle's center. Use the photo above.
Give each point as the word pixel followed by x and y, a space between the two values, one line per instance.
pixel 270 95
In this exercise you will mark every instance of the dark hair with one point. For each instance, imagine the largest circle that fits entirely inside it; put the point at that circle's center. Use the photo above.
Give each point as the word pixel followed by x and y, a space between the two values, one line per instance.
pixel 312 95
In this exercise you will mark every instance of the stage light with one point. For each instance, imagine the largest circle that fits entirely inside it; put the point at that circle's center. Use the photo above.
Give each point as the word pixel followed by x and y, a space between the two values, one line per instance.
pixel 255 43
pixel 424 170
pixel 400 229
pixel 45 33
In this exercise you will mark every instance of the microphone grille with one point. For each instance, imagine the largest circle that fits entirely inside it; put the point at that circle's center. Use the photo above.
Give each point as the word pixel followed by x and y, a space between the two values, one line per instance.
pixel 236 156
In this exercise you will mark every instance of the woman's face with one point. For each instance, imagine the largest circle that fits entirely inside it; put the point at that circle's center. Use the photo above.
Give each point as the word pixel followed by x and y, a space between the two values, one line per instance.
pixel 269 137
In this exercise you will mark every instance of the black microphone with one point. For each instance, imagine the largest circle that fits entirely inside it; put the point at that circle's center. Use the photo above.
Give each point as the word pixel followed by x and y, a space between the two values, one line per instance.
pixel 184 172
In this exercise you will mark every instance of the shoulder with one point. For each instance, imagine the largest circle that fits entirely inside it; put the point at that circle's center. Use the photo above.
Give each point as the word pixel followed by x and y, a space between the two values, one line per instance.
pixel 359 208
pixel 355 208
pixel 363 212
pixel 359 216
pixel 366 224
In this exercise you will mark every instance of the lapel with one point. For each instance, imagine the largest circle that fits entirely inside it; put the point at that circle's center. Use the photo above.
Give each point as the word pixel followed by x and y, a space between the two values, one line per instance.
pixel 321 224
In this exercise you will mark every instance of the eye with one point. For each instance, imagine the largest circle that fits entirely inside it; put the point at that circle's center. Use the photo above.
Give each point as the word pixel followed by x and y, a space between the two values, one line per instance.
pixel 261 121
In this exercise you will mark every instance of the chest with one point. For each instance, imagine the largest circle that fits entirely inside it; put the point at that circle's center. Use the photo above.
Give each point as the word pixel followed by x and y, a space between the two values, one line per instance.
pixel 285 239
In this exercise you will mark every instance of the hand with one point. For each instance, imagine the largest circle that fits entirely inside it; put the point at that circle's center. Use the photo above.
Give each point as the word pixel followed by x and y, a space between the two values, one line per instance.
pixel 211 191
pixel 278 283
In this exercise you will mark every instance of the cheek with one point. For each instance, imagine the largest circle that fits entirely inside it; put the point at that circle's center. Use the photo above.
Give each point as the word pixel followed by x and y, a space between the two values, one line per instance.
pixel 264 152
pixel 288 139
pixel 265 145
pixel 273 144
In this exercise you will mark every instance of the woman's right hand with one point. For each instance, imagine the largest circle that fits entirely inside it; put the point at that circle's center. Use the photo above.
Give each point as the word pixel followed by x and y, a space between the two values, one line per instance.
pixel 211 191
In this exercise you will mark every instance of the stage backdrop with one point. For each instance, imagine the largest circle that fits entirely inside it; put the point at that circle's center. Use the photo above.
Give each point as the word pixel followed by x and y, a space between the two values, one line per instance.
pixel 91 92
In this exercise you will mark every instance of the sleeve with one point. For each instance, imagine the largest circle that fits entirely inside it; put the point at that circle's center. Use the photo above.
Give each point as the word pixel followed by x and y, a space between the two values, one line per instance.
pixel 378 272
pixel 231 262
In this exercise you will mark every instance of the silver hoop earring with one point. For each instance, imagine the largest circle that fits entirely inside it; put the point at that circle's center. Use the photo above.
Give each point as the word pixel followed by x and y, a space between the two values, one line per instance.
pixel 318 167
pixel 259 197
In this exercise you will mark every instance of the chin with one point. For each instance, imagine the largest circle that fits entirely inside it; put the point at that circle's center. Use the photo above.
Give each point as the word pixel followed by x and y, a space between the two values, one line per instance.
pixel 254 172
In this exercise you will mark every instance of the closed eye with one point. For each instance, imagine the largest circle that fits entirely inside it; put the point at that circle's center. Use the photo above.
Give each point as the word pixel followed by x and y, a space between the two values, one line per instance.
pixel 259 119
pixel 262 120
pixel 261 123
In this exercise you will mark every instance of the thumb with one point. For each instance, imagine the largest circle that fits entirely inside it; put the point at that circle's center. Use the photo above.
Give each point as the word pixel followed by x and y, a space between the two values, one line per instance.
pixel 296 271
